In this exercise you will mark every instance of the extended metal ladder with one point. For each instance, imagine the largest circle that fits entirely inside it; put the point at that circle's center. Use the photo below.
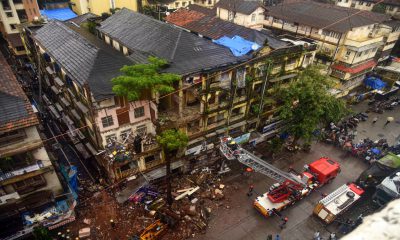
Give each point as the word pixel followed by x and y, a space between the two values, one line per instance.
pixel 259 165
pixel 326 200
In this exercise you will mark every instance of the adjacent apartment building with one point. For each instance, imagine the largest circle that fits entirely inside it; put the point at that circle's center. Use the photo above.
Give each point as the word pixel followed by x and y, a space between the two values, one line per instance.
pixel 352 46
pixel 242 12
pixel 13 13
pixel 105 6
pixel 29 185
pixel 391 7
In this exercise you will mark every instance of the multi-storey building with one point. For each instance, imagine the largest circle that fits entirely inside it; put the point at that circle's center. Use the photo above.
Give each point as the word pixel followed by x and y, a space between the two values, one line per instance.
pixel 205 3
pixel 13 13
pixel 391 7
pixel 29 185
pixel 211 99
pixel 352 46
pixel 246 13
pixel 105 6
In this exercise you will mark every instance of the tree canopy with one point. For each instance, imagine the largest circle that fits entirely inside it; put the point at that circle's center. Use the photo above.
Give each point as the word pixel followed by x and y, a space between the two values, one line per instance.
pixel 139 78
pixel 172 140
pixel 306 103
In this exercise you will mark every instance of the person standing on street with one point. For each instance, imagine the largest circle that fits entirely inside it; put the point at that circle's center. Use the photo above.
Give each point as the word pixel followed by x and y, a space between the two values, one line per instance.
pixel 389 120
pixel 250 193
pixel 374 120
pixel 284 221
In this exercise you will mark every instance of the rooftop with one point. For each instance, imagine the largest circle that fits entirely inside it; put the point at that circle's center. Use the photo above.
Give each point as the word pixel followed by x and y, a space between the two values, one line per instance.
pixel 85 58
pixel 61 14
pixel 246 7
pixel 334 18
pixel 215 28
pixel 204 10
pixel 82 18
pixel 16 110
pixel 185 52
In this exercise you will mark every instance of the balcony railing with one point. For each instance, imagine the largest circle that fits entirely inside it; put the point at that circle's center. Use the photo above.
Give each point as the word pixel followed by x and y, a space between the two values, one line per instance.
pixel 21 171
pixel 363 42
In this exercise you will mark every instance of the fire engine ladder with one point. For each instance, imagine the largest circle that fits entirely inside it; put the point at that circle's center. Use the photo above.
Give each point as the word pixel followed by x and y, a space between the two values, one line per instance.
pixel 259 165
pixel 326 200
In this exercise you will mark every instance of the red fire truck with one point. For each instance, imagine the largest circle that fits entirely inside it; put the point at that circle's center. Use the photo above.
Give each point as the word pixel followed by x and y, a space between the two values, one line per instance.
pixel 290 186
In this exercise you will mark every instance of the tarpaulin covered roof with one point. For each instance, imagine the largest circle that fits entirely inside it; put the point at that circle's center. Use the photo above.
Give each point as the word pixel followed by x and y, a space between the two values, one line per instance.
pixel 374 83
pixel 238 45
pixel 61 14
pixel 390 160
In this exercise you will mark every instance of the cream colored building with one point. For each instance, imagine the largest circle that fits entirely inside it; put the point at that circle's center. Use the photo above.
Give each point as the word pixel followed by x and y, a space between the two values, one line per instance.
pixel 104 6
pixel 352 48
pixel 246 13
pixel 205 3
pixel 391 7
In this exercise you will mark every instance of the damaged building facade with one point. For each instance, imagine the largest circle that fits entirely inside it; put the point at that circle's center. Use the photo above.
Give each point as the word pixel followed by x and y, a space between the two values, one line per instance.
pixel 30 189
pixel 212 98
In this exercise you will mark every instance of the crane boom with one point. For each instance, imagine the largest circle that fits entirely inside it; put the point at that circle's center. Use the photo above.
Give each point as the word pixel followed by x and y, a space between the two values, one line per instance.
pixel 258 165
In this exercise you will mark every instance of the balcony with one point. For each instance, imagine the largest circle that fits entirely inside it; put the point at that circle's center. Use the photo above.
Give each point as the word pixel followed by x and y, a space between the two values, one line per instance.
pixel 21 171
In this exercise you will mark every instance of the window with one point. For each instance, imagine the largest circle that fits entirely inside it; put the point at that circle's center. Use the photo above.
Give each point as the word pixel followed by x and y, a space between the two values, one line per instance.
pixel 111 138
pixel 366 52
pixel 34 11
pixel 368 4
pixel 391 8
pixel 220 117
pixel 141 129
pixel 183 4
pixel 9 14
pixel 359 54
pixel 149 159
pixel 348 53
pixel 13 26
pixel 20 48
pixel 253 17
pixel 360 3
pixel 125 134
pixel 107 121
pixel 374 49
pixel 139 112
pixel 177 4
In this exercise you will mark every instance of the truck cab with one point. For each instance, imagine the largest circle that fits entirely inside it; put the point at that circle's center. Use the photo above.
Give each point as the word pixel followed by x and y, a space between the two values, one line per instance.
pixel 324 170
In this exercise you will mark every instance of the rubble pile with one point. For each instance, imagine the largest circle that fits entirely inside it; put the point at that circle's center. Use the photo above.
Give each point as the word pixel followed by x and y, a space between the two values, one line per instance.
pixel 196 198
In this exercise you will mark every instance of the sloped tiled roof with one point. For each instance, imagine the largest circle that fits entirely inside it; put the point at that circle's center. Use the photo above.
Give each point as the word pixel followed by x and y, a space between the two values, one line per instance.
pixel 15 109
pixel 82 18
pixel 215 28
pixel 246 7
pixel 85 58
pixel 204 10
pixel 186 52
pixel 319 15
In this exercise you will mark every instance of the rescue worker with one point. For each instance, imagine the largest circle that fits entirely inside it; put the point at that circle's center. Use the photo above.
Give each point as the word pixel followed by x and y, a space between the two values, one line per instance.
pixel 250 193
pixel 284 221
pixel 112 223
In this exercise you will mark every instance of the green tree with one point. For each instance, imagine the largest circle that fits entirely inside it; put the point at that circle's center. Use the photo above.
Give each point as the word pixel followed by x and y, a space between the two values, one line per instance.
pixel 379 8
pixel 41 233
pixel 171 142
pixel 306 103
pixel 140 79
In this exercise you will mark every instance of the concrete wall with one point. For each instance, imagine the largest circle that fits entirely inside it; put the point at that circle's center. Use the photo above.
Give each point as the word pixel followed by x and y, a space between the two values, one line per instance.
pixel 80 6
pixel 254 20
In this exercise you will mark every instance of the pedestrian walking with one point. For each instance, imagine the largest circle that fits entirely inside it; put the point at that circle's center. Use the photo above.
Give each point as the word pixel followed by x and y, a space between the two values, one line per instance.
pixel 284 221
pixel 250 193
pixel 112 224
pixel 374 120
pixel 269 237
pixel 277 237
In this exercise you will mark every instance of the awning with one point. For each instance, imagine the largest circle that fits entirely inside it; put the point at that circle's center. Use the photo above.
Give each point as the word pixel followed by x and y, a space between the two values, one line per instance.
pixel 236 125
pixel 82 107
pixel 58 106
pixel 364 48
pixel 75 114
pixel 82 150
pixel 55 90
pixel 64 102
pixel 54 112
pixel 58 81
pixel 91 148
pixel 356 69
pixel 161 172
pixel 49 70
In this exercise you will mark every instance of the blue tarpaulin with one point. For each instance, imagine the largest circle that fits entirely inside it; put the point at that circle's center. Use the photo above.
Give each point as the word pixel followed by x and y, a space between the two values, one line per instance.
pixel 61 14
pixel 374 83
pixel 238 45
